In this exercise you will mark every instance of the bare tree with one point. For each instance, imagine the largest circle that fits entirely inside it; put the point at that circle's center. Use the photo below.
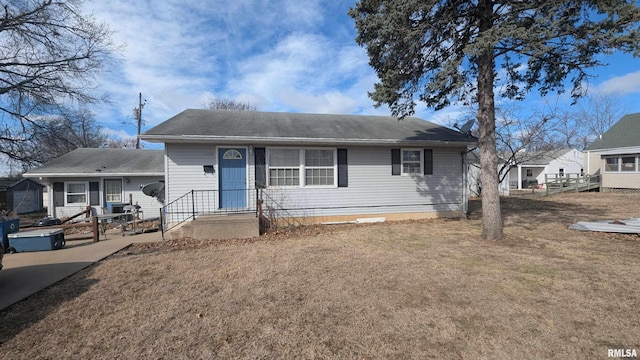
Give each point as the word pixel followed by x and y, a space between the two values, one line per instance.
pixel 123 143
pixel 51 55
pixel 578 128
pixel 228 104
pixel 55 135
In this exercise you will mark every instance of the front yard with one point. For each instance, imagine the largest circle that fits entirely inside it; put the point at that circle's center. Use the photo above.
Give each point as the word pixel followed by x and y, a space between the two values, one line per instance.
pixel 420 289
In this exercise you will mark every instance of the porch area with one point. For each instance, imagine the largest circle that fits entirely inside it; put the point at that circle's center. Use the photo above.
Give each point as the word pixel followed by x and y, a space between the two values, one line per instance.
pixel 222 214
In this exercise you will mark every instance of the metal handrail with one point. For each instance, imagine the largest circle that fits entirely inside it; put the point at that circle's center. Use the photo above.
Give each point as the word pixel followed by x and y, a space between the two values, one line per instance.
pixel 275 212
pixel 201 202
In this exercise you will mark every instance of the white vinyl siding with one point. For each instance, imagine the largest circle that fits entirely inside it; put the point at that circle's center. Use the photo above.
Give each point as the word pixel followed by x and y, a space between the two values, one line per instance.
pixel 185 169
pixel 371 187
pixel 373 190
pixel 132 190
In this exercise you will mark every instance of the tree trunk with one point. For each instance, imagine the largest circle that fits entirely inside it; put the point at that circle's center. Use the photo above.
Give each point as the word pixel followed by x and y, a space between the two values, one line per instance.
pixel 491 212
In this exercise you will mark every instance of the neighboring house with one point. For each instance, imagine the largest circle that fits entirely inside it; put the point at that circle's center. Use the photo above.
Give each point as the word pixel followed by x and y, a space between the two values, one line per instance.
pixel 21 196
pixel 474 180
pixel 530 168
pixel 100 178
pixel 615 156
pixel 320 167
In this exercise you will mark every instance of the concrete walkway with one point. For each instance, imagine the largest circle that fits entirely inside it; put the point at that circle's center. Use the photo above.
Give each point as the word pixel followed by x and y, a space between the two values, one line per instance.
pixel 26 273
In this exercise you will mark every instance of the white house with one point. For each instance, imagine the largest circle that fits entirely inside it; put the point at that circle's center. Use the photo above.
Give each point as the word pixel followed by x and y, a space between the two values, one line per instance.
pixel 100 178
pixel 531 168
pixel 320 167
pixel 474 177
pixel 616 156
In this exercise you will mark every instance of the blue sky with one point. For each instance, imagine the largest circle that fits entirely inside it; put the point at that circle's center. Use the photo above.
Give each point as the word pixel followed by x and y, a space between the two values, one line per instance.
pixel 280 55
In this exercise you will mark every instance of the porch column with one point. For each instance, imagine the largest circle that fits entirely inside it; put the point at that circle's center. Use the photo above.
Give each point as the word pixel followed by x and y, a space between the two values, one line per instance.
pixel 51 210
pixel 519 176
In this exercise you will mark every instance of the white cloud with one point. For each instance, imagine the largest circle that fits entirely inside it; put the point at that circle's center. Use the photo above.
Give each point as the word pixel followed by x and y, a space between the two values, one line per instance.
pixel 306 72
pixel 280 55
pixel 620 85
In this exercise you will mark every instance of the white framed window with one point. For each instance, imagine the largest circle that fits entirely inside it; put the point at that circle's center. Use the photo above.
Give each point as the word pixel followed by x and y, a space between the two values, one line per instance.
pixel 411 161
pixel 529 173
pixel 628 163
pixel 113 190
pixel 611 164
pixel 561 172
pixel 284 167
pixel 313 167
pixel 76 193
pixel 319 167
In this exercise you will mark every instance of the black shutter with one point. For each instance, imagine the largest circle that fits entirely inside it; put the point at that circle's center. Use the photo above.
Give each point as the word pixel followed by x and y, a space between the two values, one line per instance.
pixel 395 162
pixel 58 194
pixel 94 193
pixel 428 162
pixel 343 170
pixel 261 168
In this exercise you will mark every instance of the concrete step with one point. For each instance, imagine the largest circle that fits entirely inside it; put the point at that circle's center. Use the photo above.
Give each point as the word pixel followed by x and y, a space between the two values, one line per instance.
pixel 220 226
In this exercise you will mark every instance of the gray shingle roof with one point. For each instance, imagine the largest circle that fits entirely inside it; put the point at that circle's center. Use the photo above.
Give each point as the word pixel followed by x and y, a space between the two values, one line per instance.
pixel 624 133
pixel 275 127
pixel 103 162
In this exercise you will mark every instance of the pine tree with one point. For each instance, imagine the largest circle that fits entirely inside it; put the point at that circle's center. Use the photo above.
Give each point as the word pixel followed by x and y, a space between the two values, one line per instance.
pixel 440 52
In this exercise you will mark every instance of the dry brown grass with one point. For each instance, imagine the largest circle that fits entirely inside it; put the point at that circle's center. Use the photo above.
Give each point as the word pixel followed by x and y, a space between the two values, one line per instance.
pixel 421 289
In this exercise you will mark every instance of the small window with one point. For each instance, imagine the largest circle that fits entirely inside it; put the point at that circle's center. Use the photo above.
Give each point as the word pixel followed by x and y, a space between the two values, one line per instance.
pixel 284 167
pixel 232 154
pixel 611 164
pixel 529 172
pixel 319 167
pixel 628 164
pixel 561 171
pixel 76 193
pixel 411 161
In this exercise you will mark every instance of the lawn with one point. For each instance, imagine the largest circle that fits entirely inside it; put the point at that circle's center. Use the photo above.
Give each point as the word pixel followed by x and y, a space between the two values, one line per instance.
pixel 416 289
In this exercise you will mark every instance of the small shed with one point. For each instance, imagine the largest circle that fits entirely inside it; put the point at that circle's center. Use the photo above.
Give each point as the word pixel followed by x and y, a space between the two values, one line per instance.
pixel 20 195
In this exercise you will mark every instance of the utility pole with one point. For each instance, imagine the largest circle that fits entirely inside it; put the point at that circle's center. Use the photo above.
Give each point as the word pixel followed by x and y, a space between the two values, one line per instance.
pixel 137 112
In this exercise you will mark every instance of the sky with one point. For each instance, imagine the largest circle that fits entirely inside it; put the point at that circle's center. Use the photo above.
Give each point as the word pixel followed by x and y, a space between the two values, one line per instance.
pixel 279 55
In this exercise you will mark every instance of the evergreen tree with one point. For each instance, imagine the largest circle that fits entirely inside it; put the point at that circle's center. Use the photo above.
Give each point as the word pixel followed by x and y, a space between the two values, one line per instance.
pixel 440 52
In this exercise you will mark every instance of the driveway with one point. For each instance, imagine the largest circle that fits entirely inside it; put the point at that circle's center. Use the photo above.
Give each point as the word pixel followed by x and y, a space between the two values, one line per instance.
pixel 26 273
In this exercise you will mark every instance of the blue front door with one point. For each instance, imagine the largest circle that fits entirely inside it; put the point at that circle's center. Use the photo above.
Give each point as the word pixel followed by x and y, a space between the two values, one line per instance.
pixel 233 178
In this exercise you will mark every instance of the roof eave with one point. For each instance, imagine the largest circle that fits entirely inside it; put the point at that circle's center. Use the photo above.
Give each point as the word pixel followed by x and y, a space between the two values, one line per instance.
pixel 94 174
pixel 617 151
pixel 296 140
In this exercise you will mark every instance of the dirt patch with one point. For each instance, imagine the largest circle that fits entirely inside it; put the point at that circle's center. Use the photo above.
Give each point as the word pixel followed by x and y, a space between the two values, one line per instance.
pixel 414 289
